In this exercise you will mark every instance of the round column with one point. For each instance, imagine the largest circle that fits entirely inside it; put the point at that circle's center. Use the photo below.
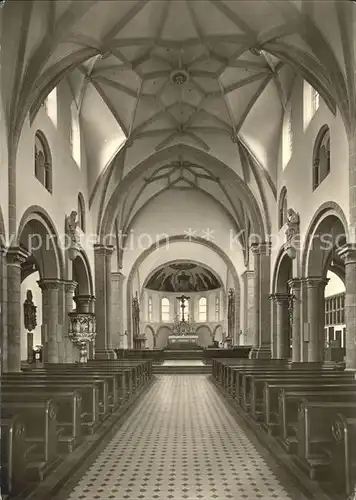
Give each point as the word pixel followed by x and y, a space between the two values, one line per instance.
pixel 348 253
pixel 50 288
pixel 295 288
pixel 15 257
pixel 71 351
pixel 316 322
pixel 282 317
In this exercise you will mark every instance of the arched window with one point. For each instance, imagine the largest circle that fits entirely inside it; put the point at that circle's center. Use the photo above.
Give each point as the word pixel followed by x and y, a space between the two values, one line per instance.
pixel 81 212
pixel 321 156
pixel 74 134
pixel 217 308
pixel 165 309
pixel 150 309
pixel 315 101
pixel 202 309
pixel 51 106
pixel 43 161
pixel 311 103
pixel 287 136
pixel 282 208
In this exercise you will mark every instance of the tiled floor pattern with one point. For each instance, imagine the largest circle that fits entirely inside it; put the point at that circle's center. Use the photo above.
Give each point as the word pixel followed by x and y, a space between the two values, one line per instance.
pixel 180 442
pixel 183 362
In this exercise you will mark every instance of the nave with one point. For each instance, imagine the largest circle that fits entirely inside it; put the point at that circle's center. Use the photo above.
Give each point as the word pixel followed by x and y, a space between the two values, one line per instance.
pixel 181 441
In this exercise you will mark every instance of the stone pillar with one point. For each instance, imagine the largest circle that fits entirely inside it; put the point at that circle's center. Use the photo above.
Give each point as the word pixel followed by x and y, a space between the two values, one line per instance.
pixel 249 311
pixel 348 253
pixel 273 327
pixel 261 341
pixel 3 310
pixel 282 324
pixel 103 341
pixel 109 251
pixel 100 293
pixel 70 350
pixel 295 289
pixel 117 283
pixel 50 288
pixel 15 257
pixel 316 318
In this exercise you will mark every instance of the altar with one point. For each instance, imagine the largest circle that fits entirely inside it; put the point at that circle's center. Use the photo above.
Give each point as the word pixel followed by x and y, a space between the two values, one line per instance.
pixel 182 342
pixel 183 330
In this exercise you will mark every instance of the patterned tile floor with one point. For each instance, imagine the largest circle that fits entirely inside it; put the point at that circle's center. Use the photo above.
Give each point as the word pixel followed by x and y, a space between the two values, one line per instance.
pixel 181 442
pixel 183 362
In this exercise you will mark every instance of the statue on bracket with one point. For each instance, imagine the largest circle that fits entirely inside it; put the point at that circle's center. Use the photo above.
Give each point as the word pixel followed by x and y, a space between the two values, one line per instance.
pixel 292 233
pixel 73 234
pixel 231 313
pixel 30 322
pixel 135 317
pixel 293 221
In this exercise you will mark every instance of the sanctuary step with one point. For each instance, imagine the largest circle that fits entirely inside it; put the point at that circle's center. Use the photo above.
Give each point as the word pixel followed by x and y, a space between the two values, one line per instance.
pixel 182 354
pixel 182 367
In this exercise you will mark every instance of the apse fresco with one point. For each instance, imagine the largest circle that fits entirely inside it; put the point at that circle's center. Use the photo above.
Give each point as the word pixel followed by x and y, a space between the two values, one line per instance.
pixel 183 277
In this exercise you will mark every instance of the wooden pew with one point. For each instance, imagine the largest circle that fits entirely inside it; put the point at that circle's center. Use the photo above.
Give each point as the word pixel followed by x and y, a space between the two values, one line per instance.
pixel 243 375
pixel 66 380
pixel 13 455
pixel 40 419
pixel 343 454
pixel 106 382
pixel 314 434
pixel 69 413
pixel 257 385
pixel 88 391
pixel 288 403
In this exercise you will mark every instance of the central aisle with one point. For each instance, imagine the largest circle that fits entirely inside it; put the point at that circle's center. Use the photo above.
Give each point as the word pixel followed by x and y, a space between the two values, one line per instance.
pixel 183 362
pixel 181 442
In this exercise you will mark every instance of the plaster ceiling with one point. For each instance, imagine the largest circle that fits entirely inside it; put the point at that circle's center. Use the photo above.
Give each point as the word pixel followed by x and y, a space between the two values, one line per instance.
pixel 211 76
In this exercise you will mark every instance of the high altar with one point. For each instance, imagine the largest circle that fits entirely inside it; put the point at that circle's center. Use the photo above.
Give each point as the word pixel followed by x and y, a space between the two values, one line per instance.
pixel 184 331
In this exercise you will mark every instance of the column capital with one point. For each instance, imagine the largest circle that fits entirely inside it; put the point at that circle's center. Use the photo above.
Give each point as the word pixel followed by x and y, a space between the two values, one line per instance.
pixel 16 256
pixel 348 253
pixel 49 284
pixel 104 250
pixel 248 272
pixel 295 283
pixel 69 286
pixel 110 249
pixel 280 298
pixel 117 275
pixel 263 248
pixel 316 281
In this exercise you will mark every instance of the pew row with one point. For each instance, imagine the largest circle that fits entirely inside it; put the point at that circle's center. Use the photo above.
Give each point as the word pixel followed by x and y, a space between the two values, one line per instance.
pixel 288 402
pixel 60 407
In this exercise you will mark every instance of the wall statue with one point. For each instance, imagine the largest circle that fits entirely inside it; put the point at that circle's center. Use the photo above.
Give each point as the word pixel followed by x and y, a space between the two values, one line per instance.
pixel 72 231
pixel 293 221
pixel 135 316
pixel 30 322
pixel 231 313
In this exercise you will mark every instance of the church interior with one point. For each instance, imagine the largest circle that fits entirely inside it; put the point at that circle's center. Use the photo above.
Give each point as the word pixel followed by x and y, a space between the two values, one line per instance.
pixel 178 249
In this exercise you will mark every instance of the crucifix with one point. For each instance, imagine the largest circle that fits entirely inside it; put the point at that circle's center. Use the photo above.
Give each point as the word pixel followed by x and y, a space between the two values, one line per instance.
pixel 182 300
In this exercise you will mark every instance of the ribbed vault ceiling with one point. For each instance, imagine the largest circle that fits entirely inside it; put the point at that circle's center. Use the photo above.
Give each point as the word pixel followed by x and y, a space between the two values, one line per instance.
pixel 212 76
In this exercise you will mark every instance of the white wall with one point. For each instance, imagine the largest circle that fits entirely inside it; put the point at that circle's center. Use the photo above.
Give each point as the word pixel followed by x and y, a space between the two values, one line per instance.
pixel 176 212
pixel 297 176
pixel 334 286
pixel 68 179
